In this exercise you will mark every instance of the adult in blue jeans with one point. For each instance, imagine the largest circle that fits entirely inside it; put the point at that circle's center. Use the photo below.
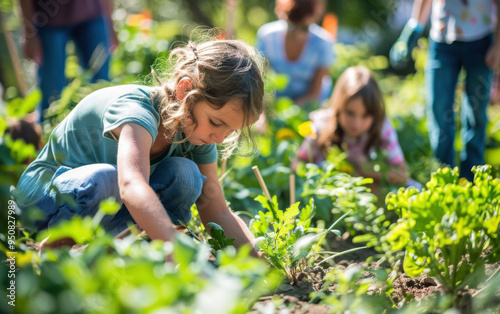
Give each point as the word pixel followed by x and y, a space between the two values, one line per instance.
pixel 151 148
pixel 462 36
pixel 48 25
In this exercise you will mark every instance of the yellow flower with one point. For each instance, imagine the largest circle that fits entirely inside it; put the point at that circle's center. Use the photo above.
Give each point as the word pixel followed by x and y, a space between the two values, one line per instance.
pixel 307 128
pixel 285 134
pixel 346 167
pixel 27 258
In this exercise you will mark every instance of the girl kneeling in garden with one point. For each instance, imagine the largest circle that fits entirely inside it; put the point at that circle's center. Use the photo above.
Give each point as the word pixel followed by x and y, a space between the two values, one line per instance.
pixel 153 149
pixel 356 122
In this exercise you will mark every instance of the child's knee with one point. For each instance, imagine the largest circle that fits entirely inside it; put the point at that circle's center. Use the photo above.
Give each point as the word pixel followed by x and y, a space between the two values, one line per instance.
pixel 178 183
pixel 188 180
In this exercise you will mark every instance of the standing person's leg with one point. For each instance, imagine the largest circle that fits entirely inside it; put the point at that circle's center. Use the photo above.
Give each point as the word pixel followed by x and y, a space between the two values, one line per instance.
pixel 441 75
pixel 51 74
pixel 93 45
pixel 178 183
pixel 474 103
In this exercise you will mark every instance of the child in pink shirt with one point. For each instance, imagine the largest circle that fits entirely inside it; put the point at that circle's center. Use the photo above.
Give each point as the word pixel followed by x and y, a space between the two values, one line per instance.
pixel 356 122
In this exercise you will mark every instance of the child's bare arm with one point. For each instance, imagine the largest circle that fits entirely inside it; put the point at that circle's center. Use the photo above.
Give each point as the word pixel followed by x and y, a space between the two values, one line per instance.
pixel 212 208
pixel 397 174
pixel 314 87
pixel 30 43
pixel 134 144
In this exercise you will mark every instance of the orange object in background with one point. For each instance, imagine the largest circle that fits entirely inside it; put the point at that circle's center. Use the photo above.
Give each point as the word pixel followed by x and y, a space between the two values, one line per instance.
pixel 142 20
pixel 330 23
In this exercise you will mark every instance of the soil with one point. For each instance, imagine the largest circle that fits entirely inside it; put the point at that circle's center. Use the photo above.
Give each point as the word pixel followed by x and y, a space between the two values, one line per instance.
pixel 294 297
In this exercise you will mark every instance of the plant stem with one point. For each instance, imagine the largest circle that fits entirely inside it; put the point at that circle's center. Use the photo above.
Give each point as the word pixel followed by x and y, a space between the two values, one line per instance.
pixel 342 253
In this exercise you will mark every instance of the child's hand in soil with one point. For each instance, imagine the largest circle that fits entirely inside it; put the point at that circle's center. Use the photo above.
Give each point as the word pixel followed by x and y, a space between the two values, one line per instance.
pixel 358 161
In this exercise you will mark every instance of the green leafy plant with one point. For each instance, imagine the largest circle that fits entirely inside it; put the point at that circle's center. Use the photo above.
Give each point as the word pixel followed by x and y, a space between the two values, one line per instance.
pixel 346 193
pixel 110 275
pixel 450 228
pixel 287 238
pixel 350 292
pixel 277 231
pixel 218 240
pixel 13 154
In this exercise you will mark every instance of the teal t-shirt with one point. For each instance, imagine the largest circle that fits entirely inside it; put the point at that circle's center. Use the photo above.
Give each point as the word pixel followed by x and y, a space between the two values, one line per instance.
pixel 84 137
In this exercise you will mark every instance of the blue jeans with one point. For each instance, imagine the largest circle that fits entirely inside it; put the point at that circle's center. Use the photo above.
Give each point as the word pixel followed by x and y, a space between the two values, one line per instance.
pixel 177 181
pixel 444 62
pixel 92 43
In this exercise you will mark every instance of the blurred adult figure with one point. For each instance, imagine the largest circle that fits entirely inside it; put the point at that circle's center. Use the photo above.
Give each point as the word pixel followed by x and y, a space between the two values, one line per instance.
pixel 48 25
pixel 300 49
pixel 26 131
pixel 462 36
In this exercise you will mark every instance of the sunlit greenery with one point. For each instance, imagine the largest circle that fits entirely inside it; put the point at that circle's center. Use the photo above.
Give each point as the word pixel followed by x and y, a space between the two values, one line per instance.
pixel 448 230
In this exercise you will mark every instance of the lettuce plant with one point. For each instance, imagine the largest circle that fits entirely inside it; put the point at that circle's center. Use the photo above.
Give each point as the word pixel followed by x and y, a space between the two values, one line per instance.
pixel 450 229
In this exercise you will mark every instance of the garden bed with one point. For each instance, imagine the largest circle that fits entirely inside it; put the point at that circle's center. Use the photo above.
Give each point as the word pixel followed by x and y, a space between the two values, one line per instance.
pixel 296 298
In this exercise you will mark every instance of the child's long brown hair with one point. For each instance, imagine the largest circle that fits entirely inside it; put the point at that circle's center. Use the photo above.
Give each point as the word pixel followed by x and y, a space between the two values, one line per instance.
pixel 220 71
pixel 357 81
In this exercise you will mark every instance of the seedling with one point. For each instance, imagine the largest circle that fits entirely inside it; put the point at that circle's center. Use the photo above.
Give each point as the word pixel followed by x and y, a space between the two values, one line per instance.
pixel 218 240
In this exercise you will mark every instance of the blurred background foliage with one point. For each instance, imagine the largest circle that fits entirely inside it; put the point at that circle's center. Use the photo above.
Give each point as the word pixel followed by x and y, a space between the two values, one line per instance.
pixel 147 29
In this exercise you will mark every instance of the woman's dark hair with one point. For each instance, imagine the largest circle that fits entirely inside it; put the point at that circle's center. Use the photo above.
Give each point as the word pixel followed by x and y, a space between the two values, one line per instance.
pixel 296 11
pixel 301 9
